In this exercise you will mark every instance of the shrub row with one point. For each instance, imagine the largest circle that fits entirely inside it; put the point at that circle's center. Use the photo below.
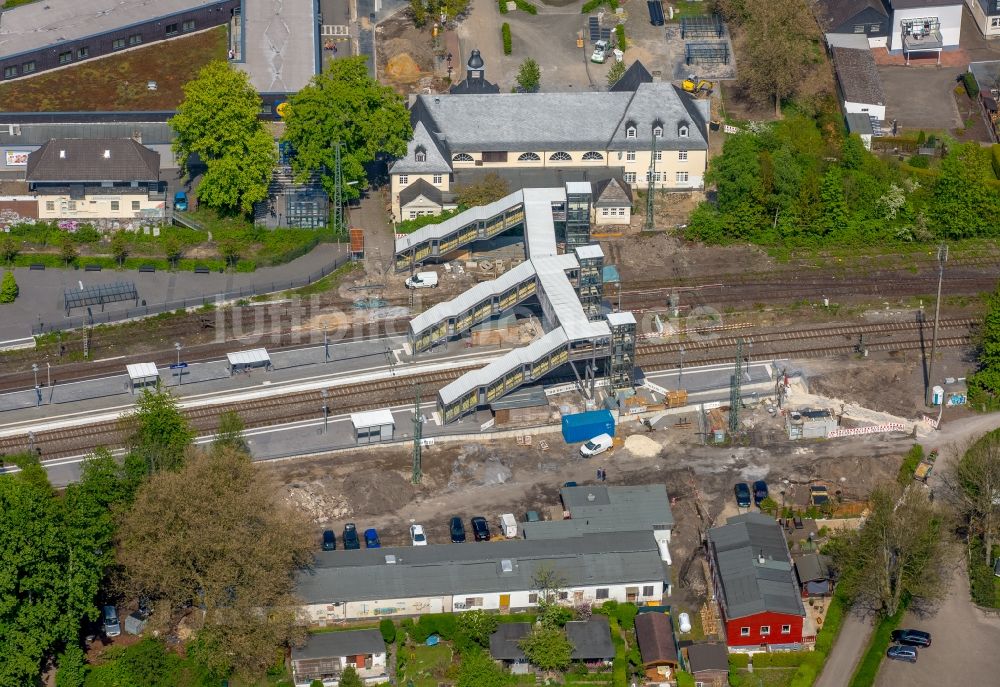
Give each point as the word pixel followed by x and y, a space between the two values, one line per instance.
pixel 910 463
pixel 508 42
pixel 526 6
pixel 161 264
pixel 502 4
pixel 971 87
pixel 620 35
pixel 810 669
pixel 408 226
pixel 592 5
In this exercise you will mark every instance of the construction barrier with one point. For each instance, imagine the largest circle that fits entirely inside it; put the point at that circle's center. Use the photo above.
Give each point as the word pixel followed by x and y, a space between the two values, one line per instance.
pixel 873 429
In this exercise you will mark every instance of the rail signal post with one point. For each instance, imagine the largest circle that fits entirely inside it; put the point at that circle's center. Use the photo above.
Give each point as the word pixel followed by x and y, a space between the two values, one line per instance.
pixel 942 257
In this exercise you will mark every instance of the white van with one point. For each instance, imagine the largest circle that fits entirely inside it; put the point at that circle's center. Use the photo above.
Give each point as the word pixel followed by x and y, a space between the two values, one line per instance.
pixel 422 280
pixel 597 445
pixel 508 525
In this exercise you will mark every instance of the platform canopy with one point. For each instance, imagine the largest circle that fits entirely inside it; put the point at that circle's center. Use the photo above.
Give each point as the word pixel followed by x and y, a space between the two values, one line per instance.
pixel 372 418
pixel 255 357
pixel 139 372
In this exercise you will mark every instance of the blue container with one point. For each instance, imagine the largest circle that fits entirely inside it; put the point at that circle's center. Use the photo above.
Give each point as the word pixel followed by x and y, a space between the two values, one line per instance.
pixel 586 426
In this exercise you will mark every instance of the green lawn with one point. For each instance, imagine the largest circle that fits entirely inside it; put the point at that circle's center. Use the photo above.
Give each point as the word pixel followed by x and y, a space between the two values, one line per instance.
pixel 762 677
pixel 425 665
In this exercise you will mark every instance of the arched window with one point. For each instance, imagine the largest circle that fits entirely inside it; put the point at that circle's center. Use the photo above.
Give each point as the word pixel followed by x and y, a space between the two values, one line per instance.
pixel 593 155
pixel 560 157
pixel 682 130
pixel 657 132
pixel 462 157
pixel 528 157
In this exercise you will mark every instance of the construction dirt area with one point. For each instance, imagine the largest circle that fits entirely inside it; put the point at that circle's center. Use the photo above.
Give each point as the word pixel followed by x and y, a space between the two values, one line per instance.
pixel 406 58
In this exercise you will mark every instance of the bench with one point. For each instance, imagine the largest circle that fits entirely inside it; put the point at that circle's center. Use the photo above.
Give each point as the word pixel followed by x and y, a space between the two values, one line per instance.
pixel 201 270
pixel 92 268
pixel 147 268
pixel 36 266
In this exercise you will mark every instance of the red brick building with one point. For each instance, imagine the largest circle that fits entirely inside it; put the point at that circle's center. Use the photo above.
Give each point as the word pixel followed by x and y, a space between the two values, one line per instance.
pixel 755 584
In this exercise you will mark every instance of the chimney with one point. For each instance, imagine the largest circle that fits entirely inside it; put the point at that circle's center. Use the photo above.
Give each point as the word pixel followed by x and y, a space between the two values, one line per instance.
pixel 107 154
pixel 62 154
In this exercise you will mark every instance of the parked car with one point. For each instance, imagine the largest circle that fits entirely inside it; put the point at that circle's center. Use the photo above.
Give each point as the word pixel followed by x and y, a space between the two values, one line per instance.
pixel 911 637
pixel 600 53
pixel 180 201
pixel 597 445
pixel 329 540
pixel 351 536
pixel 457 530
pixel 422 280
pixel 742 491
pixel 112 628
pixel 480 528
pixel 569 484
pixel 417 536
pixel 899 652
pixel 371 539
pixel 508 525
pixel 759 491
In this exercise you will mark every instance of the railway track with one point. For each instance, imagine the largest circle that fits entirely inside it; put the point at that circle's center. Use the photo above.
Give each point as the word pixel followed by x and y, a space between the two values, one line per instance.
pixel 283 409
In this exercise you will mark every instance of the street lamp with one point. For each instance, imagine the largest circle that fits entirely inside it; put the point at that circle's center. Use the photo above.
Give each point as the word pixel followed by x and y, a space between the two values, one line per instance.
pixel 326 410
pixel 34 368
pixel 38 389
pixel 180 372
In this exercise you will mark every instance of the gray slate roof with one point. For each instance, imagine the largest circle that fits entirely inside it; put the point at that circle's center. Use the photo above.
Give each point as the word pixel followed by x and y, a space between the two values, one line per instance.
pixel 708 656
pixel 831 14
pixel 858 76
pixel 335 644
pixel 655 635
pixel 752 560
pixel 562 121
pixel 612 193
pixel 436 161
pixel 613 509
pixel 915 4
pixel 503 642
pixel 84 160
pixel 39 133
pixel 859 123
pixel 812 566
pixel 591 639
pixel 420 187
pixel 444 569
pixel 636 74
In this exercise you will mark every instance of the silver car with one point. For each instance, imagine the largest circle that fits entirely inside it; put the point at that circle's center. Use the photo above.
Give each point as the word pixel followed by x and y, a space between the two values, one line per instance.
pixel 112 628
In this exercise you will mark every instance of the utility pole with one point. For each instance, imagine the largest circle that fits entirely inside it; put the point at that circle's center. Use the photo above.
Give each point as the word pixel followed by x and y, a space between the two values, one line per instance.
pixel 649 187
pixel 418 431
pixel 326 410
pixel 942 257
pixel 338 192
pixel 735 382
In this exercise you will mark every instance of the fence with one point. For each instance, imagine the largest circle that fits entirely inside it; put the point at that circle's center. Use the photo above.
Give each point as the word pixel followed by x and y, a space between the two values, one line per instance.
pixel 873 429
pixel 183 304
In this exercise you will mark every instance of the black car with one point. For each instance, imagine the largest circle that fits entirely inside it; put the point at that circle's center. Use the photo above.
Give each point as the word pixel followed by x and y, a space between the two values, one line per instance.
pixel 457 530
pixel 329 540
pixel 911 637
pixel 759 491
pixel 480 529
pixel 351 537
pixel 898 652
pixel 742 491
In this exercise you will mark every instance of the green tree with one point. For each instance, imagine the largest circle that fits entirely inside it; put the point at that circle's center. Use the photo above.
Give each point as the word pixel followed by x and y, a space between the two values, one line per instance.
pixel 479 670
pixel 616 72
pixel 491 188
pixel 218 121
pixel 120 247
pixel 478 625
pixel 834 217
pixel 964 203
pixel 547 648
pixel 529 76
pixel 350 678
pixel 157 431
pixel 72 667
pixel 67 250
pixel 345 104
pixel 897 554
pixel 9 289
pixel 9 248
pixel 146 663
pixel 216 534
pixel 387 627
pixel 974 488
pixel 172 250
pixel 419 13
pixel 853 153
pixel 984 384
pixel 230 250
pixel 230 433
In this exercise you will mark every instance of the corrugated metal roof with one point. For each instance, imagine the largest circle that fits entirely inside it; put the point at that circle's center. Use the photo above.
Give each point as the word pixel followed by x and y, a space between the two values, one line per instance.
pixel 753 562
pixel 446 569
pixel 254 356
pixel 606 509
pixel 589 252
pixel 140 371
pixel 617 319
pixel 372 418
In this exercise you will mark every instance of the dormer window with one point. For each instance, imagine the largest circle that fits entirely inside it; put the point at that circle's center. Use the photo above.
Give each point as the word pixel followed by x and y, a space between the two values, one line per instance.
pixel 420 155
pixel 657 132
pixel 682 130
pixel 630 132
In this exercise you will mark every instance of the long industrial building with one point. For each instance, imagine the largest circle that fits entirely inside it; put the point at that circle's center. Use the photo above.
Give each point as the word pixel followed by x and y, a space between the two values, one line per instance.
pixel 568 287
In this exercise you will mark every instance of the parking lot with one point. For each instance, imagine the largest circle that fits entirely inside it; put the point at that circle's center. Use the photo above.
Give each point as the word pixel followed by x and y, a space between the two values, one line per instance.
pixel 963 639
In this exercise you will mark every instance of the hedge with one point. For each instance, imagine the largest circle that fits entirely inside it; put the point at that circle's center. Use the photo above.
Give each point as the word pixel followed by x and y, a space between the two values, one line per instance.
pixel 971 87
pixel 996 159
pixel 526 6
pixel 508 42
pixel 620 34
pixel 408 226
pixel 502 4
pixel 909 465
pixel 592 5
pixel 738 661
pixel 809 670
